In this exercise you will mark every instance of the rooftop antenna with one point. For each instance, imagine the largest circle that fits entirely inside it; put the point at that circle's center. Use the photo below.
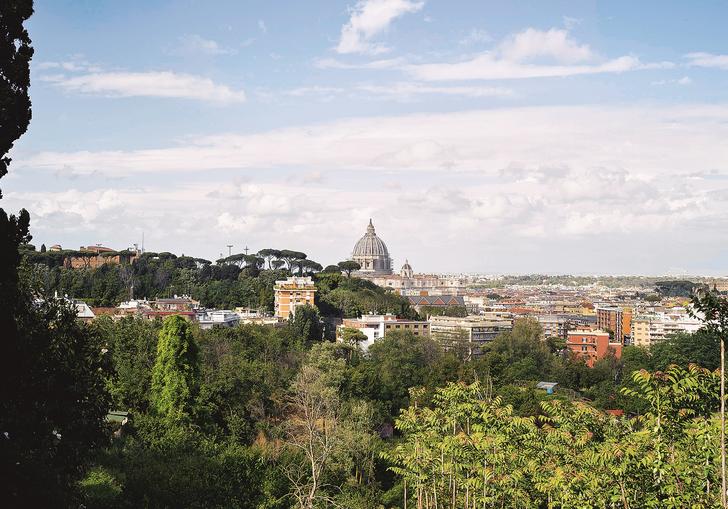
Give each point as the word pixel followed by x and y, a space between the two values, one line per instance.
pixel 230 249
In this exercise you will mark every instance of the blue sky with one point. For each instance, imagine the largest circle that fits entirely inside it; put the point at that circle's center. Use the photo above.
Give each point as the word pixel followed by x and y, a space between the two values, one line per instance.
pixel 561 137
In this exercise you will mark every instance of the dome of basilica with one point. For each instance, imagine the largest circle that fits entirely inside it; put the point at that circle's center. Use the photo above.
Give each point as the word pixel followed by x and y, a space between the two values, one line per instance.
pixel 371 253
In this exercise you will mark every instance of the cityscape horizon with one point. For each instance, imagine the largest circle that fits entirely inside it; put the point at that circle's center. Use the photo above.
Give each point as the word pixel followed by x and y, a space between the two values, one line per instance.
pixel 363 254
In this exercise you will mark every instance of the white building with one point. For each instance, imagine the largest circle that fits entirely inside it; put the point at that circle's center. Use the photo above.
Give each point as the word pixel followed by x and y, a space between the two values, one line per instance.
pixel 217 318
pixel 648 329
pixel 375 327
pixel 474 330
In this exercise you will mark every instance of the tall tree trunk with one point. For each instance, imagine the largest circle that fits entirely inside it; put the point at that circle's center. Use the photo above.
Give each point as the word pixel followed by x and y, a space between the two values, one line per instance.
pixel 722 424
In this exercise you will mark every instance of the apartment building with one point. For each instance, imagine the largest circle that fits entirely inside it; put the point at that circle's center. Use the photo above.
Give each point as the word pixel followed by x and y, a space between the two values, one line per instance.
pixel 592 345
pixel 616 319
pixel 559 325
pixel 376 327
pixel 651 328
pixel 474 330
pixel 291 293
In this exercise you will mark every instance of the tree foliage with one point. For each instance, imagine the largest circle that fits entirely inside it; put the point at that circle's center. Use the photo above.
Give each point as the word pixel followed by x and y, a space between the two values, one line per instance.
pixel 469 450
pixel 349 266
pixel 175 375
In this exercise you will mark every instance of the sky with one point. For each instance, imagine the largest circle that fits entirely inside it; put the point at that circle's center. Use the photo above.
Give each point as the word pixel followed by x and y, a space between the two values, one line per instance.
pixel 576 137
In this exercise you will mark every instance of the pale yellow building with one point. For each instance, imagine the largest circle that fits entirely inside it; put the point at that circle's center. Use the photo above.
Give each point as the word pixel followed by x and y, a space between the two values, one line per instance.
pixel 291 293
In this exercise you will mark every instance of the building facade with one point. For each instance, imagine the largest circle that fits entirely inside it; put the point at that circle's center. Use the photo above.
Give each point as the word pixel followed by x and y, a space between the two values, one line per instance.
pixel 211 318
pixel 592 345
pixel 558 326
pixel 617 320
pixel 472 332
pixel 376 327
pixel 93 257
pixel 291 293
pixel 648 329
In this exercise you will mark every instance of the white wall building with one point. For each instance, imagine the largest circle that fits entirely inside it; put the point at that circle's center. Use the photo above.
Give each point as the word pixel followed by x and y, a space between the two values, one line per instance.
pixel 648 329
pixel 375 327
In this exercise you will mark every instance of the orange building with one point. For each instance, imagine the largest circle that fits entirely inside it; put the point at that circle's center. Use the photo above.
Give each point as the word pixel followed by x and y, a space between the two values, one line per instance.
pixel 291 293
pixel 592 345
pixel 617 320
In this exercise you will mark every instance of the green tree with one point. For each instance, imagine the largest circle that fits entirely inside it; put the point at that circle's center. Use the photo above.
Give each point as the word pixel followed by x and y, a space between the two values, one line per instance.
pixel 175 376
pixel 714 310
pixel 132 345
pixel 52 401
pixel 396 363
pixel 53 404
pixel 306 324
pixel 349 266
pixel 352 336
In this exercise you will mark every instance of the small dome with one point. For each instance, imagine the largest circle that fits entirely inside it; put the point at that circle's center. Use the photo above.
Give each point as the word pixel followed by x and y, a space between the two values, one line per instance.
pixel 406 270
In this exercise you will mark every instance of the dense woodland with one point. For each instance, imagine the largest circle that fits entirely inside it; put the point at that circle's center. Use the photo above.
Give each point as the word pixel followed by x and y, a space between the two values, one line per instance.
pixel 278 417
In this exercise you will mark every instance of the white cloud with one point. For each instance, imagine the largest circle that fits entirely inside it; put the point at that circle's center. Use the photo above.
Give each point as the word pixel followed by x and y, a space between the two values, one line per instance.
pixel 262 26
pixel 489 67
pixel 73 65
pixel 554 43
pixel 549 180
pixel 368 19
pixel 671 139
pixel 409 90
pixel 150 84
pixel 314 90
pixel 556 211
pixel 398 91
pixel 570 22
pixel 708 60
pixel 385 63
pixel 196 44
pixel 475 36
pixel 531 53
pixel 685 80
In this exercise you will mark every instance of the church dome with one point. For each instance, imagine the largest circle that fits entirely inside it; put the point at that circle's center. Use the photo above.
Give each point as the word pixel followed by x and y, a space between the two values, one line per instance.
pixel 370 244
pixel 371 253
pixel 406 270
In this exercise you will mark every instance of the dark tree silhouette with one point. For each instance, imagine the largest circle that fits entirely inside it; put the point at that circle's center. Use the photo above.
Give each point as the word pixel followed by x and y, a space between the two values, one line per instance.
pixel 52 395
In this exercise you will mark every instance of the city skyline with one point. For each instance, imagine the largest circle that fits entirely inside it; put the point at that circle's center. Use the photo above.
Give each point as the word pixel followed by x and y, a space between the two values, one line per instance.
pixel 573 137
